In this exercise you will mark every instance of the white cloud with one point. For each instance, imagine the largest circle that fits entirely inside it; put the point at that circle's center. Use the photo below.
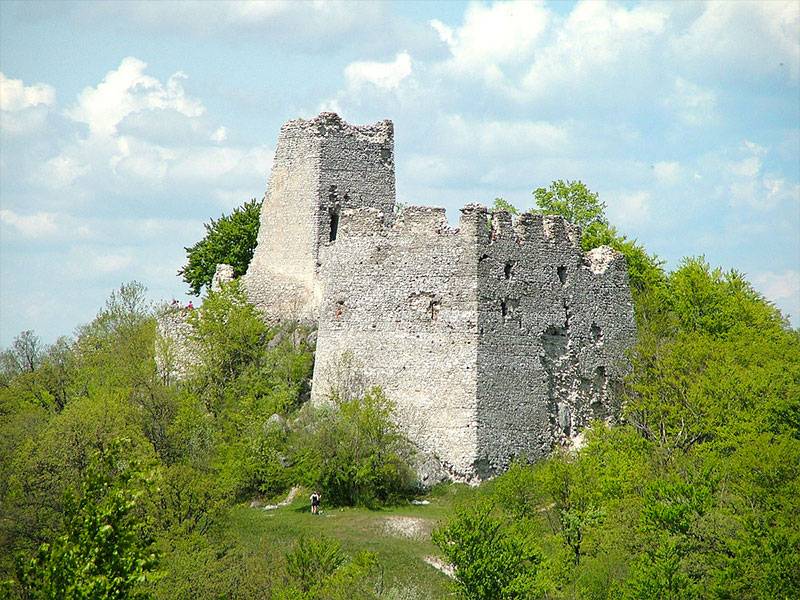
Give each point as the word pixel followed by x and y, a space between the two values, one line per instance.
pixel 668 172
pixel 220 135
pixel 126 90
pixel 779 286
pixel 754 148
pixel 445 33
pixel 430 168
pixel 692 104
pixel 749 184
pixel 763 192
pixel 747 167
pixel 62 171
pixel 15 95
pixel 24 122
pixel 597 39
pixel 111 263
pixel 629 209
pixel 146 134
pixel 213 164
pixel 494 137
pixel 782 288
pixel 34 225
pixel 384 75
pixel 738 39
pixel 493 36
pixel 312 26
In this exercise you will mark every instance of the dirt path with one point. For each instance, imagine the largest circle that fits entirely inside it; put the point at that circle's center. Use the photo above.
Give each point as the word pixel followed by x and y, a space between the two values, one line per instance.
pixel 286 501
pixel 438 564
pixel 407 527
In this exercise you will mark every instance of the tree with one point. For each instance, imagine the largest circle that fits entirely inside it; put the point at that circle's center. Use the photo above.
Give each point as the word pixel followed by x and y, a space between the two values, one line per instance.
pixel 55 457
pixel 105 551
pixel 581 206
pixel 493 561
pixel 231 240
pixel 355 452
pixel 230 336
pixel 24 356
pixel 501 204
pixel 116 351
pixel 573 201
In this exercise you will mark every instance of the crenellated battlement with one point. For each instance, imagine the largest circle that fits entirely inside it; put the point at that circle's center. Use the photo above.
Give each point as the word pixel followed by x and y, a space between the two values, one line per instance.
pixel 477 223
pixel 328 123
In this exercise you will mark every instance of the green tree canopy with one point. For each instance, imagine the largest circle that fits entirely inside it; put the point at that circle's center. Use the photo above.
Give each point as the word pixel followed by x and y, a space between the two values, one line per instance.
pixel 231 240
pixel 492 558
pixel 573 201
pixel 502 204
pixel 105 551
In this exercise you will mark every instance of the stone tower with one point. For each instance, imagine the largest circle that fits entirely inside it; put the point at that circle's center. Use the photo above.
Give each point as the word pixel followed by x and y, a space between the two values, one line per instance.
pixel 495 339
pixel 322 167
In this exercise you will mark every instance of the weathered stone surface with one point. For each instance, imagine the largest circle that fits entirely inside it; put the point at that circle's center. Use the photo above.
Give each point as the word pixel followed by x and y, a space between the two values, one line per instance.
pixel 429 470
pixel 495 339
pixel 278 422
pixel 322 167
pixel 176 353
pixel 223 274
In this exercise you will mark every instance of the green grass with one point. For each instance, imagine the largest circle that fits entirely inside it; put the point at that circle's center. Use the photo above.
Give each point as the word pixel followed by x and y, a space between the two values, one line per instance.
pixel 360 529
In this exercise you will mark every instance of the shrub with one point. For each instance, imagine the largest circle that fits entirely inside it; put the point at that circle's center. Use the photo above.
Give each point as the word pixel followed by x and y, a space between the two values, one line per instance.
pixel 493 560
pixel 317 568
pixel 105 552
pixel 231 240
pixel 355 453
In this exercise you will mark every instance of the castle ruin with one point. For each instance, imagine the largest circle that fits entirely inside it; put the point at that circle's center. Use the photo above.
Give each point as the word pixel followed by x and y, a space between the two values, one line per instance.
pixel 496 338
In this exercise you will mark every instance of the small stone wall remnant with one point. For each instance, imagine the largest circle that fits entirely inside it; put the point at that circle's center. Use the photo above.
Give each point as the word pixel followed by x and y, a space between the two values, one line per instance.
pixel 176 352
pixel 223 274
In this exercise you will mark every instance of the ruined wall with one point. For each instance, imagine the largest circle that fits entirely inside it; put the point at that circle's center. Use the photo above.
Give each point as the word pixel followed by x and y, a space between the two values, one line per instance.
pixel 553 325
pixel 322 166
pixel 175 352
pixel 496 339
pixel 403 300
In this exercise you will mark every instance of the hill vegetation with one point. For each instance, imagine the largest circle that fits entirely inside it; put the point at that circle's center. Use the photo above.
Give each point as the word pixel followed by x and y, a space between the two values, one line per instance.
pixel 117 481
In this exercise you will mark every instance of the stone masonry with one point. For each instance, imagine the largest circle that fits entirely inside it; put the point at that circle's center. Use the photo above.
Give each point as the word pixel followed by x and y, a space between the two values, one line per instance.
pixel 494 339
pixel 322 167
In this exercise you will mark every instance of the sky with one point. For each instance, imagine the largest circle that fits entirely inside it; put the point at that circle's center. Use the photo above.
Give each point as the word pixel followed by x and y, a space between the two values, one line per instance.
pixel 126 126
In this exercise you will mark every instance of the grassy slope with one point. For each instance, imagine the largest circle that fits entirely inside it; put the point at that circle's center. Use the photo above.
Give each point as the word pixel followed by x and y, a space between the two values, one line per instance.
pixel 360 529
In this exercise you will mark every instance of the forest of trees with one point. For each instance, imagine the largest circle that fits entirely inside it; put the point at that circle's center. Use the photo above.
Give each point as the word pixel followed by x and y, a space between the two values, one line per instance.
pixel 118 482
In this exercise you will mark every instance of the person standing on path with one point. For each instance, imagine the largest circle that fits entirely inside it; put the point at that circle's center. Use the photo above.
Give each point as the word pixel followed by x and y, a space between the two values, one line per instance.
pixel 315 498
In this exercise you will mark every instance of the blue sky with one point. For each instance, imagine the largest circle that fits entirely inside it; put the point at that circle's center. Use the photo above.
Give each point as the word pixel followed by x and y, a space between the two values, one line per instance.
pixel 126 126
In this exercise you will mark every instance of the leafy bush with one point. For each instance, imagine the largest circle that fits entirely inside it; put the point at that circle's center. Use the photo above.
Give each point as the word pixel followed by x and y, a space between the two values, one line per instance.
pixel 355 453
pixel 204 567
pixel 105 552
pixel 573 201
pixel 492 559
pixel 230 240
pixel 317 568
